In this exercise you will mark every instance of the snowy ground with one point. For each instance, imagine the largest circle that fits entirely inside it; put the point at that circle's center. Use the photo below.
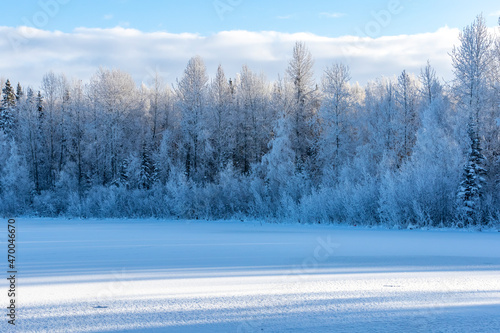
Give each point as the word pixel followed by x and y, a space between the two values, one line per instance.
pixel 178 276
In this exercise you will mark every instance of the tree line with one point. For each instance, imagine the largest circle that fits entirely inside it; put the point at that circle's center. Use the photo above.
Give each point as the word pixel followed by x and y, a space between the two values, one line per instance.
pixel 404 151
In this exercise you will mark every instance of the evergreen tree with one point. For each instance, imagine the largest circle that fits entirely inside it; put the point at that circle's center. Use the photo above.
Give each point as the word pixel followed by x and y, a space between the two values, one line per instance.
pixel 19 92
pixel 406 101
pixel 149 173
pixel 7 108
pixel 39 106
pixel 470 192
pixel 9 97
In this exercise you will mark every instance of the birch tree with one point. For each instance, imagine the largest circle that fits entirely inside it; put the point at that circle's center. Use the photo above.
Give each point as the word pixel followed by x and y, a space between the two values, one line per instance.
pixel 300 73
pixel 334 118
pixel 192 92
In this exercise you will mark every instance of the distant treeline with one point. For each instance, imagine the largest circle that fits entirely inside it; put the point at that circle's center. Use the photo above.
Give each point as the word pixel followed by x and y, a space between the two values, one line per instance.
pixel 403 151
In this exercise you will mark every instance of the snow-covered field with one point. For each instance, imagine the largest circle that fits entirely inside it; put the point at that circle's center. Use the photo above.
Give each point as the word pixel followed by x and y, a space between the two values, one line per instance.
pixel 181 276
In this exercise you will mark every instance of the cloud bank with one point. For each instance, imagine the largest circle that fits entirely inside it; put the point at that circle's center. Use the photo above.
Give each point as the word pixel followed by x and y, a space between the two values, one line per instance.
pixel 28 53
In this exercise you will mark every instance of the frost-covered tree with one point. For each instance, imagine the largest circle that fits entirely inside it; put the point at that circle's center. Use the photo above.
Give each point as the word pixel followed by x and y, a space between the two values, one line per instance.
pixel 149 173
pixel 406 100
pixel 39 105
pixel 169 150
pixel 192 91
pixel 156 96
pixel 473 181
pixel 279 164
pixel 77 134
pixel 495 166
pixel 51 93
pixel 30 126
pixel 19 92
pixel 124 174
pixel 64 124
pixel 15 183
pixel 424 191
pixel 114 107
pixel 7 109
pixel 300 73
pixel 166 156
pixel 395 151
pixel 430 87
pixel 381 117
pixel 253 119
pixel 472 63
pixel 221 127
pixel 473 67
pixel 334 117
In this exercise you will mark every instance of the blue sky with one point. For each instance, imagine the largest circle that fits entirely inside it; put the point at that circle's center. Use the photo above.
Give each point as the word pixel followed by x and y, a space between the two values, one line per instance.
pixel 205 17
pixel 140 37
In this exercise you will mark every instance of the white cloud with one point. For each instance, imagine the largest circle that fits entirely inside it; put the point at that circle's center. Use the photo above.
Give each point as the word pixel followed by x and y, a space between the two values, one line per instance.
pixel 497 13
pixel 332 15
pixel 108 17
pixel 29 53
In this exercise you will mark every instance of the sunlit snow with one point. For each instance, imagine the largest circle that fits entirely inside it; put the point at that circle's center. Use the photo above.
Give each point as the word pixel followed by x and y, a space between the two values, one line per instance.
pixel 200 276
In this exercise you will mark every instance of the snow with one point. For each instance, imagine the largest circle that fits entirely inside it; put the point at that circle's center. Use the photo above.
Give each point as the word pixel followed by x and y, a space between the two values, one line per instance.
pixel 232 276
